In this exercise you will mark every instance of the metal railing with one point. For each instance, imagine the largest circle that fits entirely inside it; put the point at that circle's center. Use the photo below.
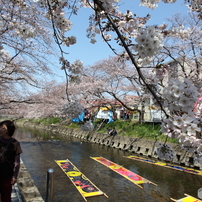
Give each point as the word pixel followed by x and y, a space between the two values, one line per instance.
pixel 50 185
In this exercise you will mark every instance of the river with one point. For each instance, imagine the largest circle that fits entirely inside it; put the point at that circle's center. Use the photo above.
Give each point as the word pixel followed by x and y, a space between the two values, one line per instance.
pixel 40 150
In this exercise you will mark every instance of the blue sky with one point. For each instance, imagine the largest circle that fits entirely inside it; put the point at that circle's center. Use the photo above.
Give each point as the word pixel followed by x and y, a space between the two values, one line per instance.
pixel 90 53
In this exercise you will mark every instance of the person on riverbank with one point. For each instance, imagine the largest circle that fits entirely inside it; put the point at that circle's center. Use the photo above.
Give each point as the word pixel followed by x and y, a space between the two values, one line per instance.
pixel 111 132
pixel 10 151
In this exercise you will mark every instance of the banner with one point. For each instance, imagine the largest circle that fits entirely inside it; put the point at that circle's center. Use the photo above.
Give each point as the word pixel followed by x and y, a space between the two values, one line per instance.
pixel 81 182
pixel 188 198
pixel 136 179
pixel 176 167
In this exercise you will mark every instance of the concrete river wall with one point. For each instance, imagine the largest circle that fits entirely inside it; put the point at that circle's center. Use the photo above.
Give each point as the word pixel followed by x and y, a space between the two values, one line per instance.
pixel 138 146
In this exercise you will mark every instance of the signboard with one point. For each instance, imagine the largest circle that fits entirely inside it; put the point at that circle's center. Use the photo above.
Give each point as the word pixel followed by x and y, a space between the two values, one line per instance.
pixel 80 181
pixel 133 177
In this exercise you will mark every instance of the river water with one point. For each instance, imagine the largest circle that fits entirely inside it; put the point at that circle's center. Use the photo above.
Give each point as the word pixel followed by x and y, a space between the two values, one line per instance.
pixel 40 150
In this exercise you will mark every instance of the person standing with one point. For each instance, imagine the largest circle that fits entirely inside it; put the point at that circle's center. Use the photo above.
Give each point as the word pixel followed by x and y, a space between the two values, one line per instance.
pixel 10 151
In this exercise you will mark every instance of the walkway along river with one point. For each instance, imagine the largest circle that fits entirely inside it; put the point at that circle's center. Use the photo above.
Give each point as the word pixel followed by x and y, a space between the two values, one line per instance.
pixel 40 150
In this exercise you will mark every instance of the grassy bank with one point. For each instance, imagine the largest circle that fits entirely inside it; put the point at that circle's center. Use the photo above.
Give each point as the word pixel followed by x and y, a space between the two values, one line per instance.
pixel 135 129
pixel 124 128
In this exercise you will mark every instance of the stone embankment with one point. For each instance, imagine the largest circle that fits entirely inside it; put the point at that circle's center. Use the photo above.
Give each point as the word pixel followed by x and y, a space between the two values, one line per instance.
pixel 134 145
pixel 29 192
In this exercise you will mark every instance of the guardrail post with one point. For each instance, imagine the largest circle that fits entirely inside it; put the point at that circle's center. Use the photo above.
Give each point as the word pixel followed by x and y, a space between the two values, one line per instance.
pixel 50 185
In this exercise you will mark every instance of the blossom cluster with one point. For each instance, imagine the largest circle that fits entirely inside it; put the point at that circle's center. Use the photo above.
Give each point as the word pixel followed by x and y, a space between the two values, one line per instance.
pixel 180 32
pixel 17 24
pixel 127 23
pixel 92 32
pixel 87 126
pixel 65 63
pixel 154 3
pixel 164 151
pixel 25 31
pixel 109 4
pixel 75 72
pixel 5 55
pixel 73 108
pixel 71 40
pixel 194 4
pixel 182 123
pixel 180 96
pixel 150 4
pixel 56 13
pixel 76 67
pixel 149 42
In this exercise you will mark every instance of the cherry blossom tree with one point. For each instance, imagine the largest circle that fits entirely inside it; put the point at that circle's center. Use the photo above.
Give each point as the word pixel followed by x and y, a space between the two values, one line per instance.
pixel 181 81
pixel 183 47
pixel 44 103
pixel 25 50
pixel 110 81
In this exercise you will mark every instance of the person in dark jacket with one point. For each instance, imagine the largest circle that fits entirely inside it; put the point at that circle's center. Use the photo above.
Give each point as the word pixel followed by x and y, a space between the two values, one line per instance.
pixel 112 132
pixel 10 151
